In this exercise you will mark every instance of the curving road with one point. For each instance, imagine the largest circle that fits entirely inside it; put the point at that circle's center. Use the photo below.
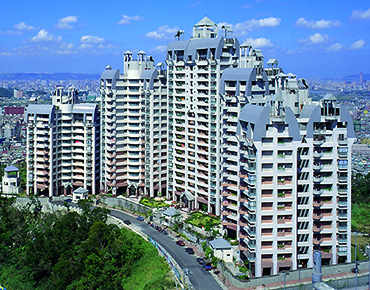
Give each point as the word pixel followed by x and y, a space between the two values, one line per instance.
pixel 199 278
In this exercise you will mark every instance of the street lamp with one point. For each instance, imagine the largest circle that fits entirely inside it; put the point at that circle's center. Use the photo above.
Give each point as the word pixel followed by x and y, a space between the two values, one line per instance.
pixel 369 265
pixel 356 259
pixel 299 268
pixel 285 273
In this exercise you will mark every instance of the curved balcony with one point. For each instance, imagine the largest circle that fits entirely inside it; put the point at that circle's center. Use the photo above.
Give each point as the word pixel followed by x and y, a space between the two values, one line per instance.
pixel 318 142
pixel 317 166
pixel 317 229
pixel 317 216
pixel 317 241
pixel 317 191
pixel 318 179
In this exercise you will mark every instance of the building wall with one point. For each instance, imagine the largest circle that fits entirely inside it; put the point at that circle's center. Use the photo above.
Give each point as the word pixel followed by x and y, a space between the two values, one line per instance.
pixel 224 133
pixel 63 146
pixel 134 106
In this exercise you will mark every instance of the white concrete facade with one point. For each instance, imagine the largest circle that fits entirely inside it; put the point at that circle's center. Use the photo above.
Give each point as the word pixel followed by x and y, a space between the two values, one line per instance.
pixel 134 128
pixel 240 140
pixel 194 72
pixel 63 146
pixel 11 182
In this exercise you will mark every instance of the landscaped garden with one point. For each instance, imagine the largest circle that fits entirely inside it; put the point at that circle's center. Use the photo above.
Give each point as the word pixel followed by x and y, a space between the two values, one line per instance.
pixel 200 220
pixel 151 202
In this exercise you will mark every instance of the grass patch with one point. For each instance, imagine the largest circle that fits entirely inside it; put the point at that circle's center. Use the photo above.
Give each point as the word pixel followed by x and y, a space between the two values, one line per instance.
pixel 362 241
pixel 153 203
pixel 360 256
pixel 200 220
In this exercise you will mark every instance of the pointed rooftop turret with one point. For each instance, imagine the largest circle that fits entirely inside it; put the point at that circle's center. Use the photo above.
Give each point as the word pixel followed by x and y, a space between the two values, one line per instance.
pixel 205 22
pixel 205 28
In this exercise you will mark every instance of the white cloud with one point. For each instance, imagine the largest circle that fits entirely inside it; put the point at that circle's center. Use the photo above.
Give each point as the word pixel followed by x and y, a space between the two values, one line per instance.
pixel 67 46
pixel 243 28
pixel 320 24
pixel 23 26
pixel 126 19
pixel 160 48
pixel 259 42
pixel 163 32
pixel 43 35
pixel 95 44
pixel 6 53
pixel 85 46
pixel 106 46
pixel 269 22
pixel 10 32
pixel 335 47
pixel 358 45
pixel 66 22
pixel 316 38
pixel 65 52
pixel 358 14
pixel 91 39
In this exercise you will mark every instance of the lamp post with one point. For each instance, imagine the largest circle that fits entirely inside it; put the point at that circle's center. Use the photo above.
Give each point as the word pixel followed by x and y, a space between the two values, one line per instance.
pixel 356 259
pixel 284 278
pixel 369 265
pixel 299 268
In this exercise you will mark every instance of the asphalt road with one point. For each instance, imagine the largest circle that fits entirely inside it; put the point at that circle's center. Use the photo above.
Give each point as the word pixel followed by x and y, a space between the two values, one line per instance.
pixel 199 278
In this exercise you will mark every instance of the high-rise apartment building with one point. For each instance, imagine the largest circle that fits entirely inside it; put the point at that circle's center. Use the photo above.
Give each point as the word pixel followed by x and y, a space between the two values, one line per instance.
pixel 63 146
pixel 295 194
pixel 219 131
pixel 194 69
pixel 134 128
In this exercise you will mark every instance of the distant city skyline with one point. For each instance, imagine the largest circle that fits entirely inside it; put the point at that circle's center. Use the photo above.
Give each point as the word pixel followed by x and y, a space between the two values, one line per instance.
pixel 310 39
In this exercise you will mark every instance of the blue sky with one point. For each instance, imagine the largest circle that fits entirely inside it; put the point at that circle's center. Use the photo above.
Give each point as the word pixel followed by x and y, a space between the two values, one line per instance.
pixel 309 38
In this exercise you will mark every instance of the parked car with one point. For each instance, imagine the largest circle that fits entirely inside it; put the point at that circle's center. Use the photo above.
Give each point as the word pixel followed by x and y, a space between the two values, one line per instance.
pixel 189 251
pixel 180 243
pixel 200 260
pixel 140 218
pixel 127 222
pixel 68 200
pixel 208 267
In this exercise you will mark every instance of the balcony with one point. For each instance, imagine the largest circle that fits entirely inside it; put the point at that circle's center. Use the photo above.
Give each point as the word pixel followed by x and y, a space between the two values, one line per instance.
pixel 317 241
pixel 317 216
pixel 318 179
pixel 317 204
pixel 284 262
pixel 317 166
pixel 317 191
pixel 342 240
pixel 318 142
pixel 342 215
pixel 343 141
pixel 266 263
pixel 317 229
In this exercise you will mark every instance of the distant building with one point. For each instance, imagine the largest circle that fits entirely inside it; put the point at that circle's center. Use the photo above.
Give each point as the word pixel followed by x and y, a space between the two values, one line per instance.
pixel 18 94
pixel 13 110
pixel 11 182
pixel 63 146
pixel 8 131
